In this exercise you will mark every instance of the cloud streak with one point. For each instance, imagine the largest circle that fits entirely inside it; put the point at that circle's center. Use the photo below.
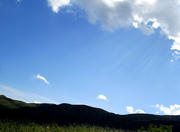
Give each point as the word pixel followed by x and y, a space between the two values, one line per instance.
pixel 146 15
pixel 20 95
pixel 38 76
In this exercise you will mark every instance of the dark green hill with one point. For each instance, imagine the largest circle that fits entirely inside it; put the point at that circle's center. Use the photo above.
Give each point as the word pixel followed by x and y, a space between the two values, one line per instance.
pixel 66 114
pixel 10 103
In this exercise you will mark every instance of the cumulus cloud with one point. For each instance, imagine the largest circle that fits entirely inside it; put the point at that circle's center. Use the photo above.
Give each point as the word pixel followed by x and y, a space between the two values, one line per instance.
pixel 57 4
pixel 102 97
pixel 38 76
pixel 130 110
pixel 171 110
pixel 146 15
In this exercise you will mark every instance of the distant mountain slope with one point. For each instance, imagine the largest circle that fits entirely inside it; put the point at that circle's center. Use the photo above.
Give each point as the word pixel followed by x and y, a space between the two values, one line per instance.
pixel 10 103
pixel 65 114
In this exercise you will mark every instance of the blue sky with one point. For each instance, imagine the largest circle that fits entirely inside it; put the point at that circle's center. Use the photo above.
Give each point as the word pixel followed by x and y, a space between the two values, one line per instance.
pixel 58 51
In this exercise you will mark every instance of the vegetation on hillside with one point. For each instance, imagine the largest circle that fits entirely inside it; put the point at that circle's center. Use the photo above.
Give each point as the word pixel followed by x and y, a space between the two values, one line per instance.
pixel 10 103
pixel 67 114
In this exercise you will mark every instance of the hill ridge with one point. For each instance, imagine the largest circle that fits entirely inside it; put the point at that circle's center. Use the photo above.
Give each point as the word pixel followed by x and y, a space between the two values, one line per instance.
pixel 66 114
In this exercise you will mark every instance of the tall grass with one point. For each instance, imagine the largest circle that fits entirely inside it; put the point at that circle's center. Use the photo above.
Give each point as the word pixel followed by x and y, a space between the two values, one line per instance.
pixel 32 127
pixel 10 126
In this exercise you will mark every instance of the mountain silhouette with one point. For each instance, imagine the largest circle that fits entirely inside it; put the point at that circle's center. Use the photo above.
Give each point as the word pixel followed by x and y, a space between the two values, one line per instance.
pixel 67 114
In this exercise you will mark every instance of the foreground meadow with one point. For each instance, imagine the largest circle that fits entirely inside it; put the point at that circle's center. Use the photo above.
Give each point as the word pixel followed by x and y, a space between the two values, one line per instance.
pixel 6 126
pixel 32 127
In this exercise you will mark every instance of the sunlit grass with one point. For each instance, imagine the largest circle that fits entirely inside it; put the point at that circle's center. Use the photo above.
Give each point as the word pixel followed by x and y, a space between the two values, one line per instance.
pixel 10 126
pixel 32 127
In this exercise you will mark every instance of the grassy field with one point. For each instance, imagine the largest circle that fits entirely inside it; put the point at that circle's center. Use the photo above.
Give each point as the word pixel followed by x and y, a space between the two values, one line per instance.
pixel 32 127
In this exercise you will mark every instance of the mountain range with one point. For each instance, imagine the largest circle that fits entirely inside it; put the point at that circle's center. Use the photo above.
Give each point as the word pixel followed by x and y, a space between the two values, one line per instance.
pixel 67 114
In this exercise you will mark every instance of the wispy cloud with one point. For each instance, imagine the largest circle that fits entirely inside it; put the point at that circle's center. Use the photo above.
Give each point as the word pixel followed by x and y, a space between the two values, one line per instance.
pixel 102 97
pixel 146 15
pixel 131 110
pixel 24 96
pixel 19 1
pixel 171 110
pixel 38 76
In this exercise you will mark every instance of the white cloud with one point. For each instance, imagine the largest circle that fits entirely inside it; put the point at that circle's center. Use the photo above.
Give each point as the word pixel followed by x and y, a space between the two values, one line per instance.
pixel 130 109
pixel 147 15
pixel 38 76
pixel 37 102
pixel 171 110
pixel 102 97
pixel 20 95
pixel 57 4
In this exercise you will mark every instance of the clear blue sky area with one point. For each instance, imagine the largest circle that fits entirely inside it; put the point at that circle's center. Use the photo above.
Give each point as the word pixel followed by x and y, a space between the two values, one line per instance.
pixel 81 60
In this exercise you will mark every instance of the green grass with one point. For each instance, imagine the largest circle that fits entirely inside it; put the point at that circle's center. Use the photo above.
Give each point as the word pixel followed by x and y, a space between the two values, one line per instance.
pixel 32 127
pixel 10 126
